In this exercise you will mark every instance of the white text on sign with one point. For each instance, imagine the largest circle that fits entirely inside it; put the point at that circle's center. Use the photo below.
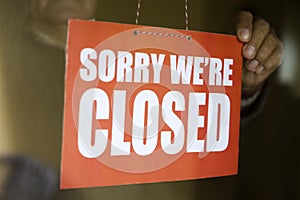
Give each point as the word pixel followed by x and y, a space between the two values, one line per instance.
pixel 123 66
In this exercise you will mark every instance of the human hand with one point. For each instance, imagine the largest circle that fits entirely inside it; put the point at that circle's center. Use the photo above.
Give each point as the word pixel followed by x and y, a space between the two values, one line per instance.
pixel 262 50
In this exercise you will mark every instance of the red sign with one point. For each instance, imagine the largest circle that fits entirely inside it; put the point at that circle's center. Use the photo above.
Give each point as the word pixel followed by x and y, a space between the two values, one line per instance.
pixel 146 104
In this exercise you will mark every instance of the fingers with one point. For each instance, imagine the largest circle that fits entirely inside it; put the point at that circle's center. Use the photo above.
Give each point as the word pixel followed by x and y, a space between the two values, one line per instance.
pixel 276 58
pixel 260 30
pixel 254 78
pixel 266 48
pixel 244 26
pixel 262 50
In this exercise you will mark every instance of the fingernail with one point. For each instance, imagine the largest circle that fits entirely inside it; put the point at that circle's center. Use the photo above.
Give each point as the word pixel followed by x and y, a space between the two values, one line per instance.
pixel 260 70
pixel 249 51
pixel 245 34
pixel 252 65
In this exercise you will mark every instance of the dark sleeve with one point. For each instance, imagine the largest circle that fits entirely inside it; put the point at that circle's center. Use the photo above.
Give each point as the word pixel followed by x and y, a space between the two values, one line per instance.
pixel 249 112
pixel 26 179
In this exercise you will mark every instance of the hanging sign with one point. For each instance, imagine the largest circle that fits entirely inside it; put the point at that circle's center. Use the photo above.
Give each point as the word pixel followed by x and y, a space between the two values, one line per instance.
pixel 146 104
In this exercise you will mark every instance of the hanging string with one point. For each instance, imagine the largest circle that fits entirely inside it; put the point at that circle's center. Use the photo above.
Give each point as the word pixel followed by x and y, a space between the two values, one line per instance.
pixel 185 8
pixel 163 34
pixel 186 15
pixel 138 12
pixel 136 32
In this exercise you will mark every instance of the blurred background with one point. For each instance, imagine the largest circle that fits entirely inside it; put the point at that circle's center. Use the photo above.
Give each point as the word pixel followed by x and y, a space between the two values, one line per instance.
pixel 31 97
